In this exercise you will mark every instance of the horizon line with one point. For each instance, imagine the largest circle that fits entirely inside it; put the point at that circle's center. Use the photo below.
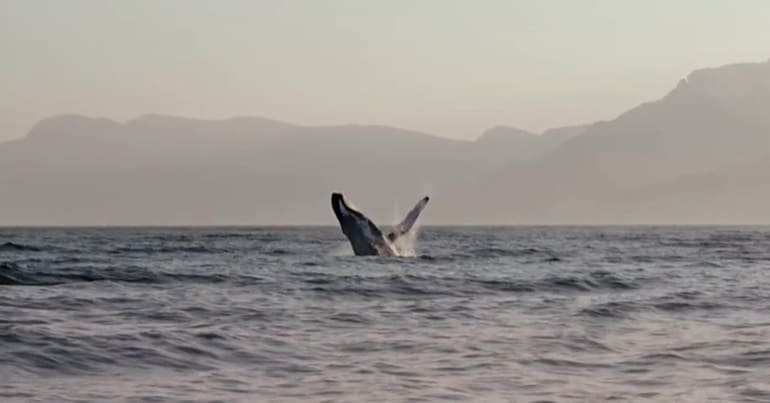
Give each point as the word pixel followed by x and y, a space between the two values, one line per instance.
pixel 298 226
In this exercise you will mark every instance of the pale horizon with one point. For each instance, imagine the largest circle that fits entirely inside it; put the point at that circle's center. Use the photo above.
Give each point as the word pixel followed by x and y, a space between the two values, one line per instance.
pixel 448 69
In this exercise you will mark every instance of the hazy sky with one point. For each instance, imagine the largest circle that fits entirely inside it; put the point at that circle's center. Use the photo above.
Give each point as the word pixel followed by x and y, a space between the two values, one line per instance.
pixel 452 68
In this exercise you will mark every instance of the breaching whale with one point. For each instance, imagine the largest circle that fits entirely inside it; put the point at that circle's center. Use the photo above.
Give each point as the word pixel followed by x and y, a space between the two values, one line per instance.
pixel 365 237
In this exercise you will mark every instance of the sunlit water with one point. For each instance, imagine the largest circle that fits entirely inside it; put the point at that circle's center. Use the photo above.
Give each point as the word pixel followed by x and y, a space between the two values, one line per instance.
pixel 480 314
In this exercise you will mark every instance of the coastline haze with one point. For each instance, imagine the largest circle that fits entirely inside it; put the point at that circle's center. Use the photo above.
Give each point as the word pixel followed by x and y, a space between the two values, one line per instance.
pixel 694 156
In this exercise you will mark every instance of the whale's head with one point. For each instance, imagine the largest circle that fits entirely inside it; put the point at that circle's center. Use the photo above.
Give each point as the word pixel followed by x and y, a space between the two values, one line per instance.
pixel 364 236
pixel 344 211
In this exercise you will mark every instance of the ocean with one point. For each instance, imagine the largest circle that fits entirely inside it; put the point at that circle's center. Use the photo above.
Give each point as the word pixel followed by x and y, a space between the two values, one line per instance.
pixel 272 314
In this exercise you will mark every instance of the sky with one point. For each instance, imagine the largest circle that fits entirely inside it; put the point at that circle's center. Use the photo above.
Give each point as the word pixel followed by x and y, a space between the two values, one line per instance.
pixel 452 68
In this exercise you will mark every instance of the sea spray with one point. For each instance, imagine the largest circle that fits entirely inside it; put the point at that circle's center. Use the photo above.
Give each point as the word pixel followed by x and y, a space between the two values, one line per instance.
pixel 406 245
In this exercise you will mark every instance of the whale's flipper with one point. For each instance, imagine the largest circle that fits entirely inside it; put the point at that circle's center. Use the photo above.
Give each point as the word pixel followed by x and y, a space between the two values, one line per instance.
pixel 406 225
pixel 365 237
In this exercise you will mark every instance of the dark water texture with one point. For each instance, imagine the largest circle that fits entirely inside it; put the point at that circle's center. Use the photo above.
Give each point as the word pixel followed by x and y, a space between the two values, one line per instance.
pixel 481 314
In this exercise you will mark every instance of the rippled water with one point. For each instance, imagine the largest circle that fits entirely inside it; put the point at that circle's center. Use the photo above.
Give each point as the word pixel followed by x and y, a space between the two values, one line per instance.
pixel 481 314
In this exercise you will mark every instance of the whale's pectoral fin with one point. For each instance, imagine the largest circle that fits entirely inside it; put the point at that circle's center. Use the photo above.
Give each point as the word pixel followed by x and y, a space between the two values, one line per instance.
pixel 406 225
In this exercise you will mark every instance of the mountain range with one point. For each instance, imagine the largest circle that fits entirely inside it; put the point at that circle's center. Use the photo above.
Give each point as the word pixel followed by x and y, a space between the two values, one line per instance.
pixel 698 155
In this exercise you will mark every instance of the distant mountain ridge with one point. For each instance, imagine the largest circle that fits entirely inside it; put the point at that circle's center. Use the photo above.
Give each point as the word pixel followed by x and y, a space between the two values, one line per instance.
pixel 698 155
pixel 712 121
pixel 164 170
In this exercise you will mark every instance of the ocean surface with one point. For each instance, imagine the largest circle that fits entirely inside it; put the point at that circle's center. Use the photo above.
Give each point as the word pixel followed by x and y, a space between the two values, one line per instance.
pixel 479 314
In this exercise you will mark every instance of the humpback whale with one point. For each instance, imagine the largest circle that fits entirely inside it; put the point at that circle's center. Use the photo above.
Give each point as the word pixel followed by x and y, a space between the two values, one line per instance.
pixel 364 236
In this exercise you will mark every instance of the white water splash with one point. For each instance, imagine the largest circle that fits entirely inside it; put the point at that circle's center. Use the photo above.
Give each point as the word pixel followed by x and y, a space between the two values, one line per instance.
pixel 406 245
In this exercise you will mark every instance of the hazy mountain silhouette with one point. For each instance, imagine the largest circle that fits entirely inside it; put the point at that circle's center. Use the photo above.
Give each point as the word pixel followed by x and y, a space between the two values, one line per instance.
pixel 713 120
pixel 166 170
pixel 700 154
pixel 503 143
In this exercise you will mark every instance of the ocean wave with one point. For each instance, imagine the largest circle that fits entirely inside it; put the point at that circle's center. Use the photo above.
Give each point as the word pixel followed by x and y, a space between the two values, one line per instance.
pixel 681 301
pixel 611 310
pixel 596 280
pixel 14 274
pixel 202 249
pixel 56 353
pixel 16 247
pixel 503 252
pixel 429 285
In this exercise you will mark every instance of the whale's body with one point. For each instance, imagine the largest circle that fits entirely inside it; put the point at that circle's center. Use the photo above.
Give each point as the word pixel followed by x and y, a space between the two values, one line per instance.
pixel 364 236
